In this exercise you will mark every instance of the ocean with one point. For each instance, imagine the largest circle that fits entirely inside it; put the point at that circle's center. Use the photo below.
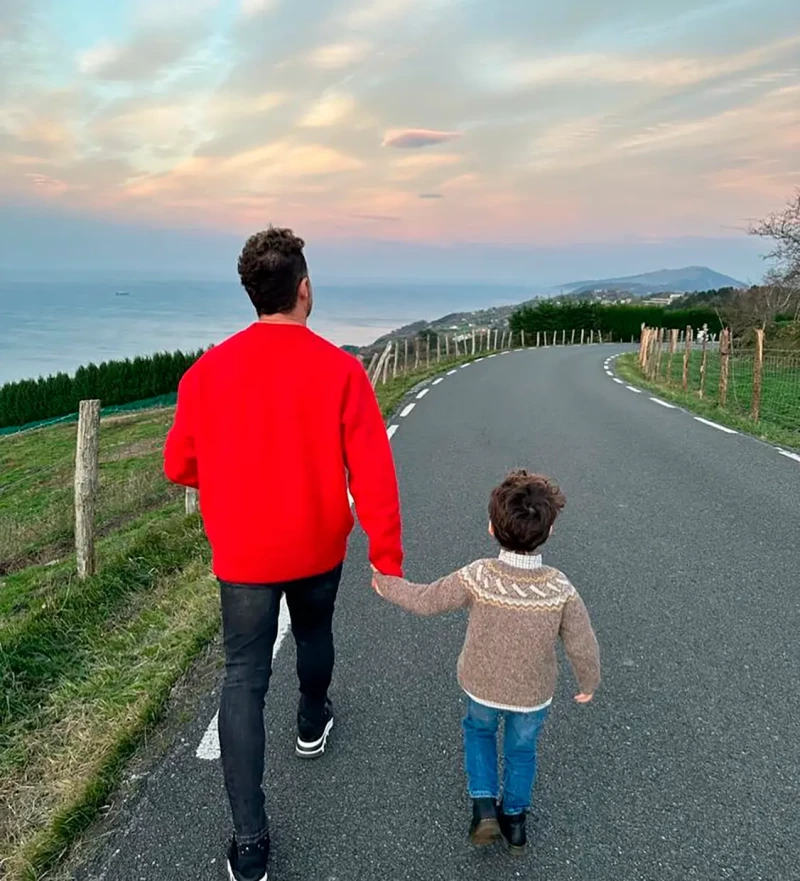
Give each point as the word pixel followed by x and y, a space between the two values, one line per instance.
pixel 46 327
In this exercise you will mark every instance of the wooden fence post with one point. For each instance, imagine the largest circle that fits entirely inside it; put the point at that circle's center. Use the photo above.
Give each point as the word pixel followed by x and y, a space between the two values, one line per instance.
pixel 428 352
pixel 405 360
pixel 474 343
pixel 522 337
pixel 384 356
pixel 564 337
pixel 659 349
pixel 687 355
pixel 591 336
pixel 572 337
pixel 191 501
pixel 87 464
pixel 396 368
pixel 372 363
pixel 673 345
pixel 385 377
pixel 416 353
pixel 538 338
pixel 724 365
pixel 438 349
pixel 704 366
pixel 758 373
pixel 583 334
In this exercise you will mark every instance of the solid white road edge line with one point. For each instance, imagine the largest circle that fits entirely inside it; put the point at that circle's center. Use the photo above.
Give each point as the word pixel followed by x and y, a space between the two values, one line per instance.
pixel 715 425
pixel 663 403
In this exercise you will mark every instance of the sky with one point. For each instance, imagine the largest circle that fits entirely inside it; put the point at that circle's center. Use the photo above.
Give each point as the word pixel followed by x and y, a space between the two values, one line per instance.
pixel 457 138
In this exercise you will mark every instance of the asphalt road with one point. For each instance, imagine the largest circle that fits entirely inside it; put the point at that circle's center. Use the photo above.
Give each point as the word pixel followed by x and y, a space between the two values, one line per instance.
pixel 683 542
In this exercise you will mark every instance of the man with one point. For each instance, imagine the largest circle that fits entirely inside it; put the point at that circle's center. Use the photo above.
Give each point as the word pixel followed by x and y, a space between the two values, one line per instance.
pixel 272 426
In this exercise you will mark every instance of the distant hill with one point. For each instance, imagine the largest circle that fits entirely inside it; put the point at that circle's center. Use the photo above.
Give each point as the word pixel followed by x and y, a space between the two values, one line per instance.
pixel 684 281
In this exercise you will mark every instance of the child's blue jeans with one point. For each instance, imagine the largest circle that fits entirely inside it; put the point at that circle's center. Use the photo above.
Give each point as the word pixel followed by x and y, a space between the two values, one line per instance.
pixel 519 754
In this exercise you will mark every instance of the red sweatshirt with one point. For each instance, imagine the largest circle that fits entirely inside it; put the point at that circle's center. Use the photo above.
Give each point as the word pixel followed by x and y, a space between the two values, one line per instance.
pixel 271 425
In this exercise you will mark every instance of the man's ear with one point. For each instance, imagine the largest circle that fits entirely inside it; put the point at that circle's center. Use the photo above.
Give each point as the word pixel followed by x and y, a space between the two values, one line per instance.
pixel 491 529
pixel 304 290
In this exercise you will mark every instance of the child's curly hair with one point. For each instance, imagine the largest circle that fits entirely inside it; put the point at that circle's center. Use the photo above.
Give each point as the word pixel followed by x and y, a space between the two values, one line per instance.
pixel 523 510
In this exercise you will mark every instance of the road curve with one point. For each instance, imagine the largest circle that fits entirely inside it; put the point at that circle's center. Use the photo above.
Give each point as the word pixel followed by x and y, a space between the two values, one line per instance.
pixel 682 541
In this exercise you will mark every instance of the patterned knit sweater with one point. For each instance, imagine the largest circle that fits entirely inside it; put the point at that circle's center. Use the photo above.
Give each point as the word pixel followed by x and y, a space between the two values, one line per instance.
pixel 518 609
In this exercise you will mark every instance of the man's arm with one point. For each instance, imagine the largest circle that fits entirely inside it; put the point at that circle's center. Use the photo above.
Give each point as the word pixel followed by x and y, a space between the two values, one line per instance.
pixel 180 461
pixel 372 479
pixel 445 595
pixel 580 644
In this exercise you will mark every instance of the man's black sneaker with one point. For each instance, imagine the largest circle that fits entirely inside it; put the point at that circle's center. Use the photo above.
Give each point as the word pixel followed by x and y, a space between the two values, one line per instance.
pixel 484 828
pixel 312 737
pixel 248 862
pixel 513 828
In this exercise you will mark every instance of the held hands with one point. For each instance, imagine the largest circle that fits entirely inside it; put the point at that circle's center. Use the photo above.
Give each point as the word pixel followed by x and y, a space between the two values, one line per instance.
pixel 583 698
pixel 375 581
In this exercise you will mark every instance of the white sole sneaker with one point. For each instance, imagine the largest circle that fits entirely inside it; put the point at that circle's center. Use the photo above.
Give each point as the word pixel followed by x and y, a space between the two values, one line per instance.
pixel 313 749
pixel 232 877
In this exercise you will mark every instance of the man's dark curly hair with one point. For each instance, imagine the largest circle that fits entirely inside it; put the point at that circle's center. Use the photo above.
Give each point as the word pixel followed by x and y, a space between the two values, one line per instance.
pixel 523 510
pixel 271 267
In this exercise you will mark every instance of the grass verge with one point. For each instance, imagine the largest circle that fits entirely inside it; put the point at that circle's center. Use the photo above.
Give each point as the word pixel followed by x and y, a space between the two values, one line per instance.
pixel 87 667
pixel 627 367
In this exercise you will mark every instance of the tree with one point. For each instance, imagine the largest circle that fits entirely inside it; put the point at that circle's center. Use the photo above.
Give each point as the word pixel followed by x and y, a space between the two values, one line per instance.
pixel 780 293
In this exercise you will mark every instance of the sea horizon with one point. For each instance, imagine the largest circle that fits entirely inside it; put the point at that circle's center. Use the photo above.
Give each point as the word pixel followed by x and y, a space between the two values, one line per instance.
pixel 59 325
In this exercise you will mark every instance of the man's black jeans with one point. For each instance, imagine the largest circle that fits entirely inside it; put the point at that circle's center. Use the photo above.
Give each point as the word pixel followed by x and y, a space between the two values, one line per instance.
pixel 250 627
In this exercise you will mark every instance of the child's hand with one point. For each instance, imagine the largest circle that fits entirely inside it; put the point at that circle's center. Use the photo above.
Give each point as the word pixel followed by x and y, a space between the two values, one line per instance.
pixel 583 698
pixel 375 581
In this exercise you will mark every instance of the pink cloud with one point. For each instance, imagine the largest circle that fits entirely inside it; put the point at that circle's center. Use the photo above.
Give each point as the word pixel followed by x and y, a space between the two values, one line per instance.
pixel 414 138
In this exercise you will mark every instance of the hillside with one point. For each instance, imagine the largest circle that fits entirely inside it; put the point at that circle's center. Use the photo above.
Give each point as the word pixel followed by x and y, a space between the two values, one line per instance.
pixel 684 281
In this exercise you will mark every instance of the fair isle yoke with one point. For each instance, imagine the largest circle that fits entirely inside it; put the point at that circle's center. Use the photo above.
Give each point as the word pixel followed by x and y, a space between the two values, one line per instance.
pixel 535 589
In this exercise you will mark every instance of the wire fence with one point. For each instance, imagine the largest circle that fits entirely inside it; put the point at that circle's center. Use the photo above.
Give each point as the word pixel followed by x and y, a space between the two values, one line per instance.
pixel 759 382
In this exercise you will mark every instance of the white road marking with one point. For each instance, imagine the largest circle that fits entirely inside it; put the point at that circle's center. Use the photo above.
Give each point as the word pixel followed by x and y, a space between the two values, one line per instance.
pixel 789 455
pixel 392 431
pixel 464 366
pixel 438 381
pixel 630 388
pixel 422 394
pixel 663 403
pixel 609 372
pixel 618 381
pixel 715 425
pixel 406 410
pixel 479 360
pixel 493 356
pixel 451 372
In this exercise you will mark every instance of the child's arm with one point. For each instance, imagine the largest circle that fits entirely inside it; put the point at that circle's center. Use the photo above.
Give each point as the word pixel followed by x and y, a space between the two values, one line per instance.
pixel 581 647
pixel 444 595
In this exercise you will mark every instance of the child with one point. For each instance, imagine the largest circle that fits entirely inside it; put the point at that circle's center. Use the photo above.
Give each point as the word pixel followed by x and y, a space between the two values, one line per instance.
pixel 518 608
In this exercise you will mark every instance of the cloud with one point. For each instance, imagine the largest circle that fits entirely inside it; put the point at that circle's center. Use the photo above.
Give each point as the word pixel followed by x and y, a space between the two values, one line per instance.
pixel 330 110
pixel 254 8
pixel 431 196
pixel 337 56
pixel 414 139
pixel 377 218
pixel 147 55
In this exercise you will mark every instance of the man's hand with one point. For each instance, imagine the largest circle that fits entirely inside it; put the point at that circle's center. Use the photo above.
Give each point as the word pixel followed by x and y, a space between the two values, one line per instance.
pixel 375 581
pixel 583 698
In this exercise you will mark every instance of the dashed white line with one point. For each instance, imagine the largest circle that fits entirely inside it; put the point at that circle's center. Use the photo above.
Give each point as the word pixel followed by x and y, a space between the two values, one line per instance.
pixel 663 404
pixel 422 394
pixel 479 360
pixel 392 431
pixel 464 366
pixel 619 381
pixel 789 455
pixel 451 372
pixel 630 388
pixel 493 356
pixel 406 410
pixel 438 381
pixel 715 425
pixel 608 372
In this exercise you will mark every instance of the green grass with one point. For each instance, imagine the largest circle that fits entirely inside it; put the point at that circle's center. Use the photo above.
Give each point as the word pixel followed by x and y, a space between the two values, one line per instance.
pixel 780 410
pixel 87 667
